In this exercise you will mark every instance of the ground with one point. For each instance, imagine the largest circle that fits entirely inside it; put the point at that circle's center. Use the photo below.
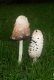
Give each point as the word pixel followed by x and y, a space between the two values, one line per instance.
pixel 40 16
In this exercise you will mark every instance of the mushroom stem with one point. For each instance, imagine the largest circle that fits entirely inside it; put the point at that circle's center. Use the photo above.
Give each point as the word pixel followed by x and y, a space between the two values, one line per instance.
pixel 20 51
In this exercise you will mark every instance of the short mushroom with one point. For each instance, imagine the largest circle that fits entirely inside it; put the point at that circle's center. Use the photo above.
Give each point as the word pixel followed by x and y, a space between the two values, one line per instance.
pixel 37 45
pixel 20 32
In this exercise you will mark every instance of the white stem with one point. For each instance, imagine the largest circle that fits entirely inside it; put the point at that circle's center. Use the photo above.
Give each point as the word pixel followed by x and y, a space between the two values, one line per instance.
pixel 34 60
pixel 20 51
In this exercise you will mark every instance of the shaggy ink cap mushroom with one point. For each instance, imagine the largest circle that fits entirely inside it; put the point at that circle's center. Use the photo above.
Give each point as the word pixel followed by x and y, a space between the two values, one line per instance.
pixel 20 32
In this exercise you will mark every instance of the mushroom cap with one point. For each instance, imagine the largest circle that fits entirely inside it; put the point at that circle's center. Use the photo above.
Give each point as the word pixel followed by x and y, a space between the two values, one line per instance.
pixel 21 28
pixel 37 34
pixel 36 45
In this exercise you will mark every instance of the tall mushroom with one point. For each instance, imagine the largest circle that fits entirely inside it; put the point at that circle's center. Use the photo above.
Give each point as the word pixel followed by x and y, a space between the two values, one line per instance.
pixel 21 31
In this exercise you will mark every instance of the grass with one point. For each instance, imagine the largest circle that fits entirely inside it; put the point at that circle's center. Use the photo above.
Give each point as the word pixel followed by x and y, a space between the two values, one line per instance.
pixel 41 16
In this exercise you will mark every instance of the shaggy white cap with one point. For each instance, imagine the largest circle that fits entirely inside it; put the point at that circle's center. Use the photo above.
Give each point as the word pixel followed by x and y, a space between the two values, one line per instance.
pixel 22 20
pixel 36 45
pixel 21 28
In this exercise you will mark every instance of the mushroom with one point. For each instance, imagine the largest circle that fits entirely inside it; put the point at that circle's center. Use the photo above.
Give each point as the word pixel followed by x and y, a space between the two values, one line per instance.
pixel 20 32
pixel 36 45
